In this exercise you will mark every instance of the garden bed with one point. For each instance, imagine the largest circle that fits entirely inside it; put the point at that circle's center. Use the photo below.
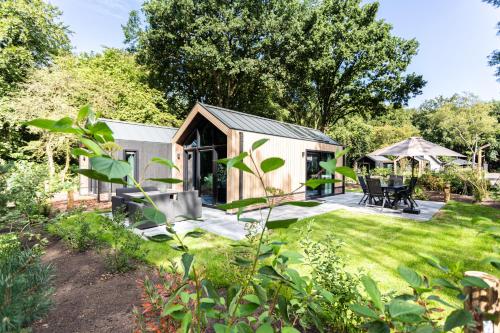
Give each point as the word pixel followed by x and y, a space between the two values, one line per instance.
pixel 86 297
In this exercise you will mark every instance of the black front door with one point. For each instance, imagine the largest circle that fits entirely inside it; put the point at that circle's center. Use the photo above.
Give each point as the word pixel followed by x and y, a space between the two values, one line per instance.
pixel 314 171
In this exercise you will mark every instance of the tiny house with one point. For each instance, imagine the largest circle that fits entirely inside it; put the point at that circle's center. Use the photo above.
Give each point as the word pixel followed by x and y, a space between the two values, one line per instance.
pixel 210 133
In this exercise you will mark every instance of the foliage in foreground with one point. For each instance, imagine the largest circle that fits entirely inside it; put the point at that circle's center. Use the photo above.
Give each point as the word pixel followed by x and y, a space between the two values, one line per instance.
pixel 272 295
pixel 25 285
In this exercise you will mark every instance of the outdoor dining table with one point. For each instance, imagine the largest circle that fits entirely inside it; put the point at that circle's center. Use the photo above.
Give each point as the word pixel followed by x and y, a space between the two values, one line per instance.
pixel 386 187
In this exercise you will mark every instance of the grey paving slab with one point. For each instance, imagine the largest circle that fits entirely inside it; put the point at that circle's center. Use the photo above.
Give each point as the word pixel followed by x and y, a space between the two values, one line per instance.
pixel 226 225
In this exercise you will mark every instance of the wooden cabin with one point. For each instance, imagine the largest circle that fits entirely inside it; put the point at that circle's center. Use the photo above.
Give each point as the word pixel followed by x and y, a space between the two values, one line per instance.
pixel 210 133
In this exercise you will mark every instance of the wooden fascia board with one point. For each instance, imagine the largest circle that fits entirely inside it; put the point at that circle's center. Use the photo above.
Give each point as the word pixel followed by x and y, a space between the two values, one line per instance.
pixel 198 109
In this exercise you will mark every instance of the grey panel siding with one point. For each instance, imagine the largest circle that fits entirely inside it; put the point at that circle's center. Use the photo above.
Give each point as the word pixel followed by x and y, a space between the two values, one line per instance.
pixel 145 152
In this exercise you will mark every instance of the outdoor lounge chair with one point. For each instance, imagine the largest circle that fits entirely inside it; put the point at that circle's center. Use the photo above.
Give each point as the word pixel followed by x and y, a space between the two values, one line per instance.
pixel 376 194
pixel 362 183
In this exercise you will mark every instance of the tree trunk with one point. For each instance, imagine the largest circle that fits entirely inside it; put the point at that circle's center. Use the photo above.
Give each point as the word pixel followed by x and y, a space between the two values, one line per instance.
pixel 66 164
pixel 50 158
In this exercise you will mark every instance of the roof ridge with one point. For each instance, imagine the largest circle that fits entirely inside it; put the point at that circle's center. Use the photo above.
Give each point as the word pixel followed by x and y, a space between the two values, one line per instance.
pixel 260 117
pixel 136 123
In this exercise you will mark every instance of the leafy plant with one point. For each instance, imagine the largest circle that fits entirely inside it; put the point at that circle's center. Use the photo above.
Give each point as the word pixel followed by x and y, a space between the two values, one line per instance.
pixel 25 286
pixel 245 306
pixel 125 246
pixel 78 235
pixel 417 312
pixel 328 270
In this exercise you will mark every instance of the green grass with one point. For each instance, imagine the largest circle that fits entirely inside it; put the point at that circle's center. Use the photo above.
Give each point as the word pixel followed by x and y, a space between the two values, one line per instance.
pixel 378 244
pixel 212 253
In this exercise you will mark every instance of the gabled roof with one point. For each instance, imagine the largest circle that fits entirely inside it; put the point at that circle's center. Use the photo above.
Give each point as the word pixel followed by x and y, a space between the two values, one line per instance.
pixel 124 130
pixel 377 158
pixel 251 123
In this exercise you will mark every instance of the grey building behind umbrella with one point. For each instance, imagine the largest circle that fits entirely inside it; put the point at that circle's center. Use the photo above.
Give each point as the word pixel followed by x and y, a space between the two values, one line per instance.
pixel 138 144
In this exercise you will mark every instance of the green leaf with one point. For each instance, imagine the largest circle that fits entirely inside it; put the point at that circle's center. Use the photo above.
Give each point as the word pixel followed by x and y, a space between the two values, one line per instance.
pixel 433 261
pixel 243 167
pixel 445 283
pixel 160 238
pixel 83 113
pixel 81 152
pixel 283 307
pixel 230 162
pixel 195 234
pixel 473 281
pixel 302 203
pixel 272 163
pixel 92 174
pixel 220 328
pixel 210 290
pixel 364 311
pixel 92 146
pixel 425 329
pixel 101 130
pixel 440 300
pixel 261 292
pixel 495 262
pixel 65 125
pixel 166 180
pixel 278 224
pixel 41 123
pixel 265 328
pixel 400 308
pixel 109 167
pixel 378 326
pixel 186 322
pixel 330 165
pixel 154 215
pixel 314 183
pixel 410 276
pixel 163 161
pixel 289 329
pixel 258 143
pixel 347 172
pixel 373 292
pixel 171 308
pixel 252 299
pixel 239 261
pixel 246 309
pixel 187 261
pixel 270 272
pixel 242 203
pixel 339 154
pixel 178 247
pixel 458 318
pixel 242 327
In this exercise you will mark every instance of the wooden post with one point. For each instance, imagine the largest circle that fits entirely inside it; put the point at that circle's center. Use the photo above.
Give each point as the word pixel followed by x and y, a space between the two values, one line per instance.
pixel 71 200
pixel 487 301
pixel 447 192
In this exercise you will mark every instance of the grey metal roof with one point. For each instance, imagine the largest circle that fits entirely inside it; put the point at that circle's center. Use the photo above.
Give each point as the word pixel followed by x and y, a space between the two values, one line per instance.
pixel 251 123
pixel 124 130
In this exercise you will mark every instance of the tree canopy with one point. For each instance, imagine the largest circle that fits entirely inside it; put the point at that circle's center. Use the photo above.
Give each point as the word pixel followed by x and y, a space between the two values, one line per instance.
pixel 315 62
pixel 30 36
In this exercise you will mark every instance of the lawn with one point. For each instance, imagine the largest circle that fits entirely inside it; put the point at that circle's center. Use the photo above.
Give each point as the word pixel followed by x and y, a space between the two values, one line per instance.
pixel 375 244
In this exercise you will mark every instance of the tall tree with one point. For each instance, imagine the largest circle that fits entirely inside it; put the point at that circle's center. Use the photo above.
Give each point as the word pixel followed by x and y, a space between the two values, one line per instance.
pixel 112 82
pixel 210 51
pixel 345 61
pixel 494 59
pixel 30 36
pixel 461 122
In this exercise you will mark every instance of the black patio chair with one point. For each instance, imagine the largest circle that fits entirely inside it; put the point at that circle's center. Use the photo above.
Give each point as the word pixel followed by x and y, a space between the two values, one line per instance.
pixel 376 194
pixel 407 194
pixel 362 183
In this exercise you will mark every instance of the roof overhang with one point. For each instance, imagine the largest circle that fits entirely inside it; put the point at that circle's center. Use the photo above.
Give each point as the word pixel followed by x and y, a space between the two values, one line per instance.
pixel 195 111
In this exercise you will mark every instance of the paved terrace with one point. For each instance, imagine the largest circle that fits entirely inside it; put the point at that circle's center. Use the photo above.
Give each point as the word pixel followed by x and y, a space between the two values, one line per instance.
pixel 226 225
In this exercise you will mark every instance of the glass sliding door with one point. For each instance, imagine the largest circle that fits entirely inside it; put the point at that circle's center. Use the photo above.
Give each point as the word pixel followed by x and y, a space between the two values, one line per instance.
pixel 203 146
pixel 206 167
pixel 314 171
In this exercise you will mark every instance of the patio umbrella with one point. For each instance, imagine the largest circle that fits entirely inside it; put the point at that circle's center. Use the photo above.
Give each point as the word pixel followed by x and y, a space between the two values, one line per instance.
pixel 416 146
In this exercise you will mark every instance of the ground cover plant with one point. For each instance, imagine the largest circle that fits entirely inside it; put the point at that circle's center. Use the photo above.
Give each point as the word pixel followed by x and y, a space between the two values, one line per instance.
pixel 272 295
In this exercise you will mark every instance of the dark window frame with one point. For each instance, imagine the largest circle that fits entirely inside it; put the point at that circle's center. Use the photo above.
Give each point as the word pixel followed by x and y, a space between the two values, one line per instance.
pixel 136 163
pixel 321 187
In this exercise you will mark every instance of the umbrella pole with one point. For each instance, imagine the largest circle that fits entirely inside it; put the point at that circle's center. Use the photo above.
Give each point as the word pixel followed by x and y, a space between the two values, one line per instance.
pixel 412 166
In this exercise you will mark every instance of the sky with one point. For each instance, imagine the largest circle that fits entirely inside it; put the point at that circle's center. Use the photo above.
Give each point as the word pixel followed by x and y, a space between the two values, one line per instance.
pixel 455 36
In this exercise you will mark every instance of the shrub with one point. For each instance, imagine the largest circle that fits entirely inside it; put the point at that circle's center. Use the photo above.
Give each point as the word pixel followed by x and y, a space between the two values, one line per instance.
pixel 477 182
pixel 383 172
pixel 77 233
pixel 432 181
pixel 125 245
pixel 25 286
pixel 328 270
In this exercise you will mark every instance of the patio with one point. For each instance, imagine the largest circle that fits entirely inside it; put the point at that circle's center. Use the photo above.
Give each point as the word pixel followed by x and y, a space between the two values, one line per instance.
pixel 226 225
